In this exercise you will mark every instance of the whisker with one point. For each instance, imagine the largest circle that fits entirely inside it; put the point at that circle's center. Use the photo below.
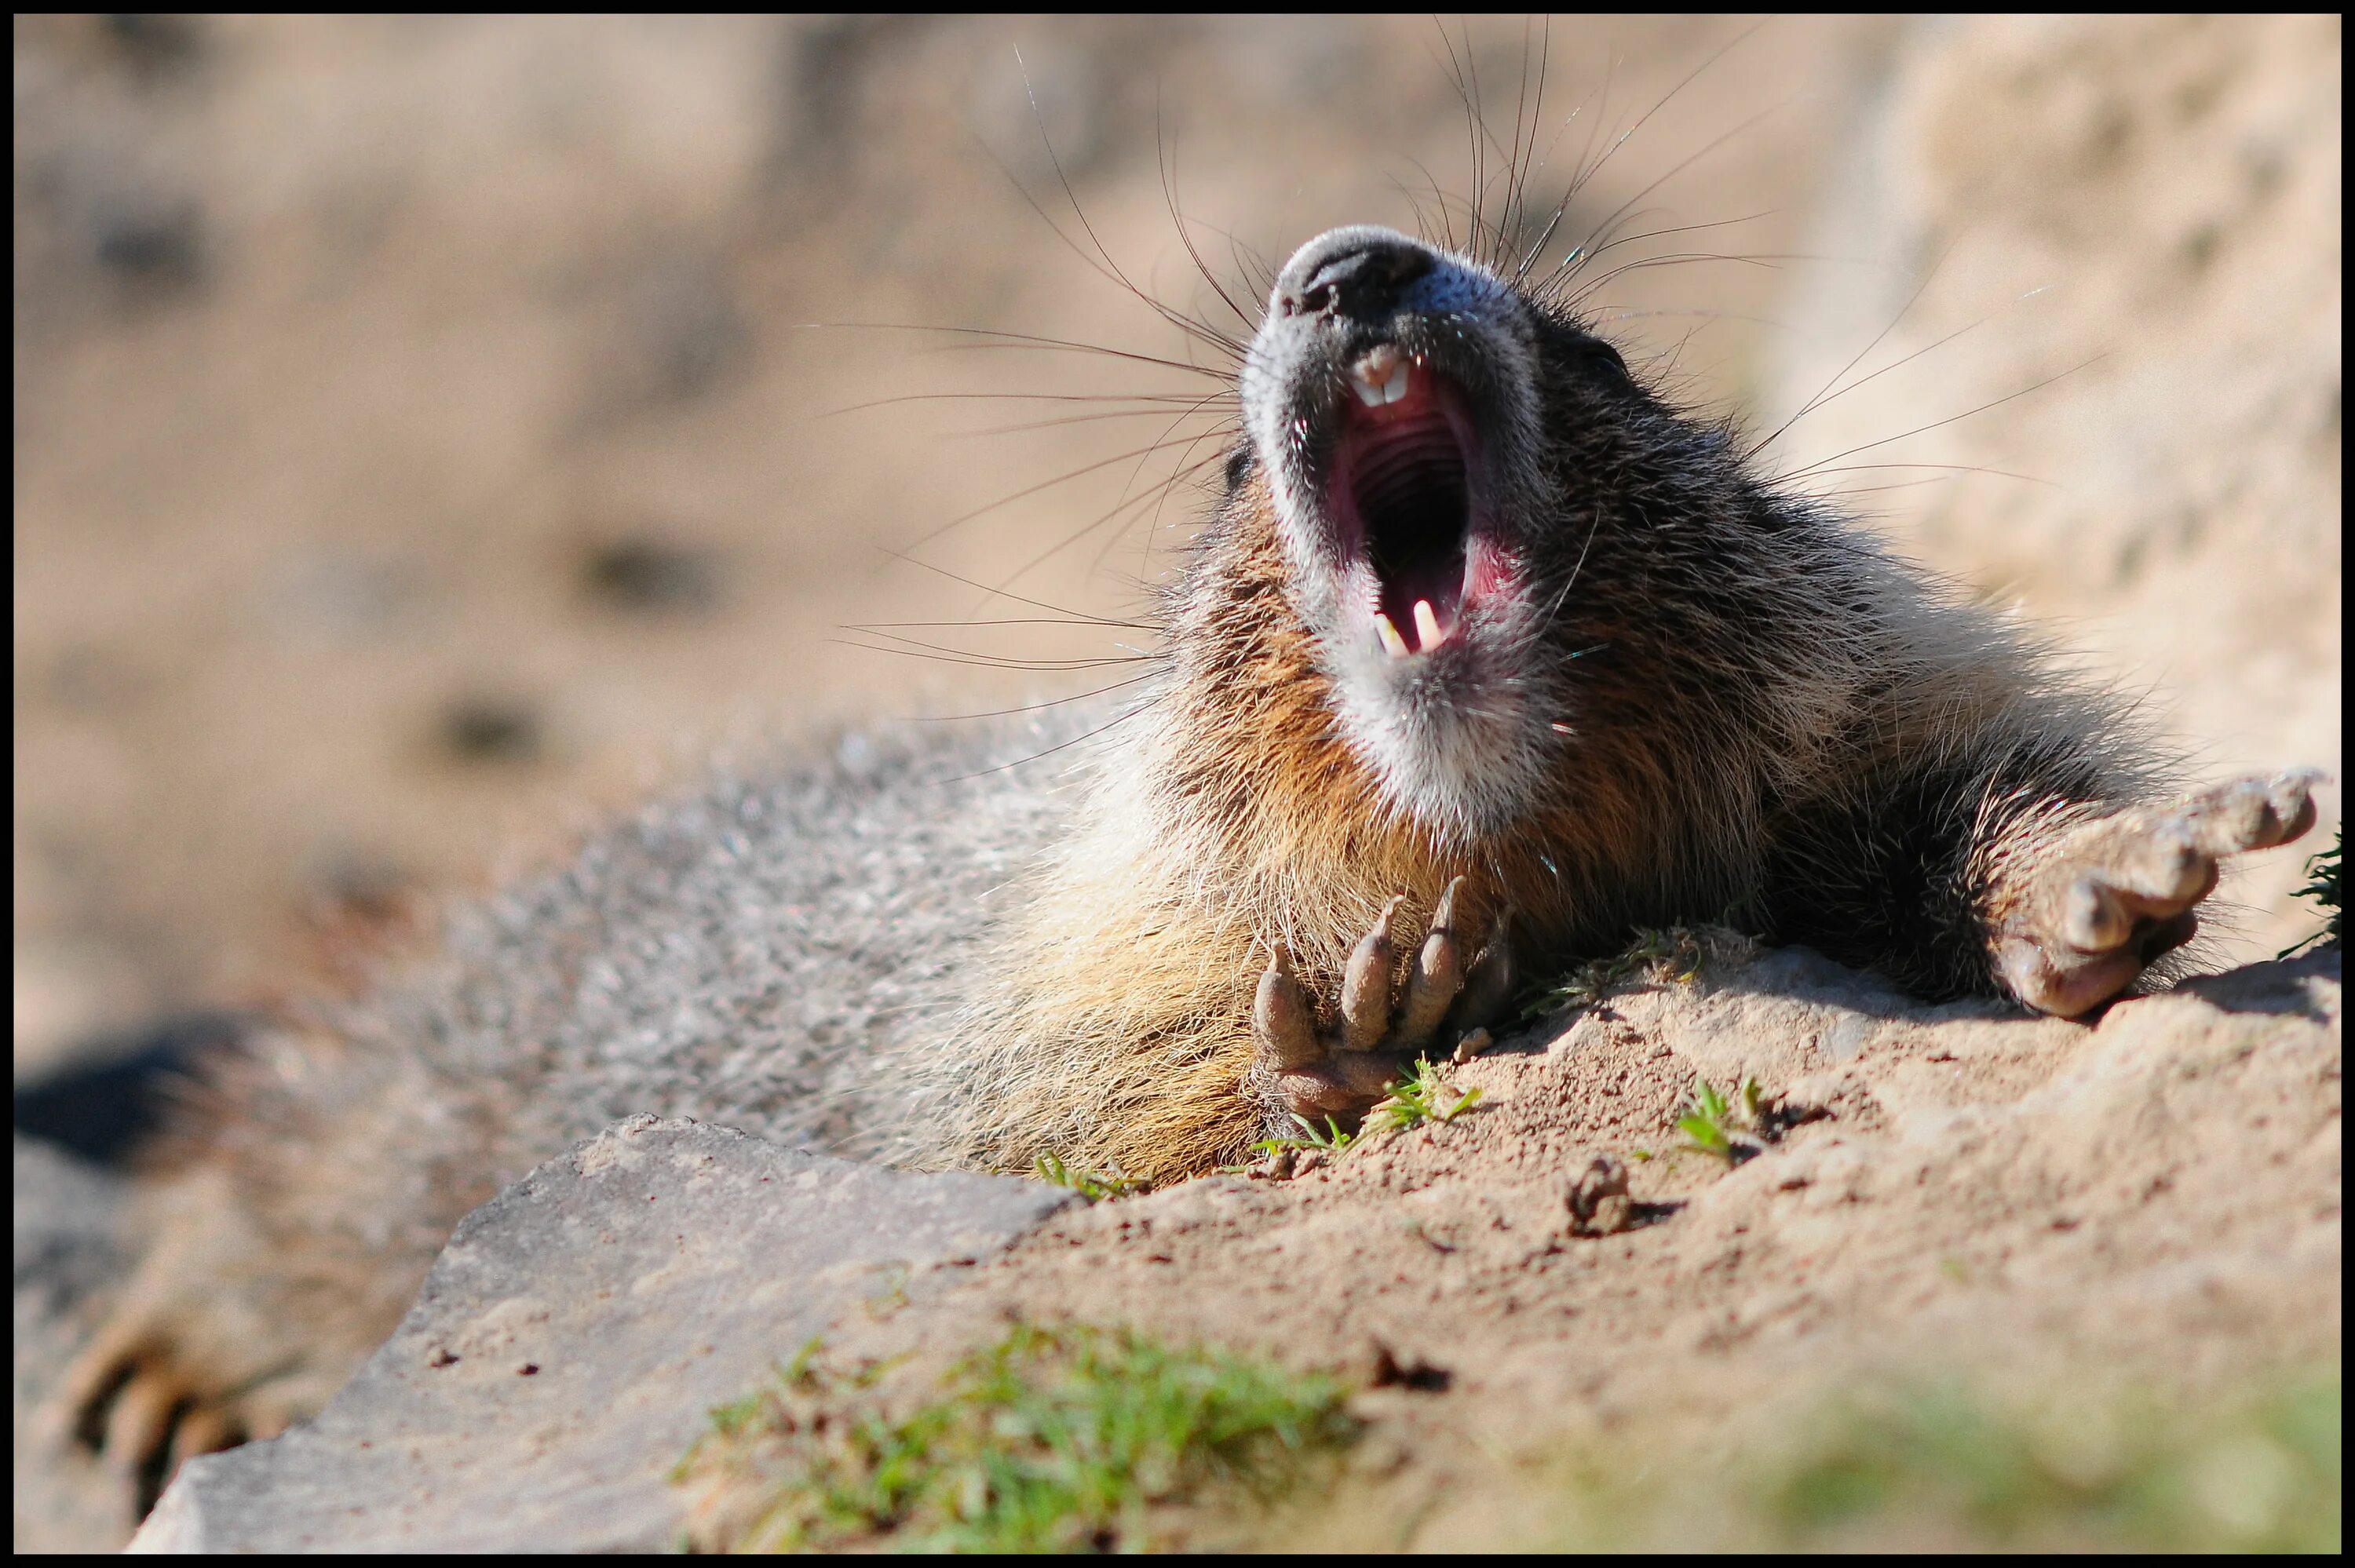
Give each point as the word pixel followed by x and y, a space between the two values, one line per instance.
pixel 972 583
pixel 1820 397
pixel 1126 505
pixel 937 653
pixel 1018 340
pixel 1169 195
pixel 1030 490
pixel 1160 398
pixel 1950 467
pixel 1939 424
pixel 1201 332
pixel 1015 620
pixel 1050 751
pixel 1587 174
pixel 1673 171
pixel 1068 419
pixel 1034 708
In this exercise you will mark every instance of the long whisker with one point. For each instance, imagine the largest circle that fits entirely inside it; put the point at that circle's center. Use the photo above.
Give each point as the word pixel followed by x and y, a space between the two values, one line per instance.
pixel 1940 423
pixel 1199 330
pixel 1119 505
pixel 1821 397
pixel 1006 621
pixel 1030 490
pixel 1674 170
pixel 1586 175
pixel 1036 708
pixel 1126 503
pixel 1034 757
pixel 1020 340
pixel 913 648
pixel 970 582
pixel 1187 398
pixel 1168 172
pixel 1068 419
pixel 1952 468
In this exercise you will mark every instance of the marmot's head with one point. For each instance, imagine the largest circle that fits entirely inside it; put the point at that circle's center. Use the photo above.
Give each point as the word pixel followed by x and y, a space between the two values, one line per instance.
pixel 1441 450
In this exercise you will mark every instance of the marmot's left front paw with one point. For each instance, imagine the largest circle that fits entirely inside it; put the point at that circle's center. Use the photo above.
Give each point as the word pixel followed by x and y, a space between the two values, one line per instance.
pixel 2122 891
pixel 1343 1072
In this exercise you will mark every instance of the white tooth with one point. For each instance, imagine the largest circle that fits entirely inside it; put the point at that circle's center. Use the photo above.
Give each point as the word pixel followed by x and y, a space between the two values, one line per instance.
pixel 1368 393
pixel 1390 634
pixel 1396 386
pixel 1427 634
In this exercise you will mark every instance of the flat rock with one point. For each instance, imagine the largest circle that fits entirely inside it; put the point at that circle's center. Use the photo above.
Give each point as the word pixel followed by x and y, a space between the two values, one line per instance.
pixel 569 1340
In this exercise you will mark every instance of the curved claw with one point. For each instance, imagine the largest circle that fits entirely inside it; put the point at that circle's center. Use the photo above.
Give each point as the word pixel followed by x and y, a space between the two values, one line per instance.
pixel 1366 988
pixel 2291 796
pixel 1489 987
pixel 1438 976
pixel 1281 1025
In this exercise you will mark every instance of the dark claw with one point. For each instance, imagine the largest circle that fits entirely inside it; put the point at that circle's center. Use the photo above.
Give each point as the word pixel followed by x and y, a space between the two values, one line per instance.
pixel 1438 976
pixel 2291 796
pixel 1366 988
pixel 1489 987
pixel 1281 1025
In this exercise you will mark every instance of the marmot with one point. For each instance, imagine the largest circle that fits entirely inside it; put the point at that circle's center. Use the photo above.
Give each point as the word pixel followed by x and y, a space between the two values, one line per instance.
pixel 1488 655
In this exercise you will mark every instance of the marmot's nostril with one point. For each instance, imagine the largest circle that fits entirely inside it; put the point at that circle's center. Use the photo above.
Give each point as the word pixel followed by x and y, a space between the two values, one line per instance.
pixel 1357 272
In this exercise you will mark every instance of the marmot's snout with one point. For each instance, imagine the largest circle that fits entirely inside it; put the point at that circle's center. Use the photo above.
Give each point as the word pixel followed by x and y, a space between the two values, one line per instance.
pixel 1357 273
pixel 1393 398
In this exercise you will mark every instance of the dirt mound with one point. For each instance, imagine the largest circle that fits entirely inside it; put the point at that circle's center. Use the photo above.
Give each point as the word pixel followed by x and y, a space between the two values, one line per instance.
pixel 1922 1197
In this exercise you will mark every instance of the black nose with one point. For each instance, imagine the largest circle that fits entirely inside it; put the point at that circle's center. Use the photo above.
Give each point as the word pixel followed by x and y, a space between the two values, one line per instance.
pixel 1355 273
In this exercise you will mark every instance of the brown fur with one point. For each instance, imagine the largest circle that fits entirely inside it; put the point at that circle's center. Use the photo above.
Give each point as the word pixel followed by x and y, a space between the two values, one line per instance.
pixel 1117 1035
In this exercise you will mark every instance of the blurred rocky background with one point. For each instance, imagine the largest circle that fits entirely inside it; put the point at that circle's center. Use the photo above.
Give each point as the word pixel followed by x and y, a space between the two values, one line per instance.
pixel 432 433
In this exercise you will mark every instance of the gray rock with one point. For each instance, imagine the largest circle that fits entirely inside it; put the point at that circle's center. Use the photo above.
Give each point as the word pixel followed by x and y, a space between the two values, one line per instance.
pixel 65 1243
pixel 571 1339
pixel 69 1250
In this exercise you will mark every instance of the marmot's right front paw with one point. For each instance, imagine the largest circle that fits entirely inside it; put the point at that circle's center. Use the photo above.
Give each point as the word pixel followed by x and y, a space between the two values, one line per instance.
pixel 1447 993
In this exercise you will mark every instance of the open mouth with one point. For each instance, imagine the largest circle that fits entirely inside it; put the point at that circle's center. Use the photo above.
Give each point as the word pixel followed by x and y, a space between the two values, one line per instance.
pixel 1401 493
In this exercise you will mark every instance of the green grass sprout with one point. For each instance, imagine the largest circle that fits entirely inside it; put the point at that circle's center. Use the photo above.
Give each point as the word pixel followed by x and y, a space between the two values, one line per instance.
pixel 1074 1439
pixel 1095 1186
pixel 1330 1139
pixel 2322 886
pixel 1419 1097
pixel 1673 956
pixel 1709 1121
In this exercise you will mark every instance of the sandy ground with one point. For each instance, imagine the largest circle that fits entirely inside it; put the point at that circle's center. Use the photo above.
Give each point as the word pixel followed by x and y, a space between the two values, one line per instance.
pixel 2033 1209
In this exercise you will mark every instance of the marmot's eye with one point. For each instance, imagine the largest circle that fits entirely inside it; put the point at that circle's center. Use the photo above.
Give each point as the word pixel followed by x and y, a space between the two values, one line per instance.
pixel 1604 358
pixel 1239 466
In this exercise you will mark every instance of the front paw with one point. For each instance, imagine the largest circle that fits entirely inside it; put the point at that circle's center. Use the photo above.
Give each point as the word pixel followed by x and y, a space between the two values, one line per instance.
pixel 1383 1026
pixel 2123 891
